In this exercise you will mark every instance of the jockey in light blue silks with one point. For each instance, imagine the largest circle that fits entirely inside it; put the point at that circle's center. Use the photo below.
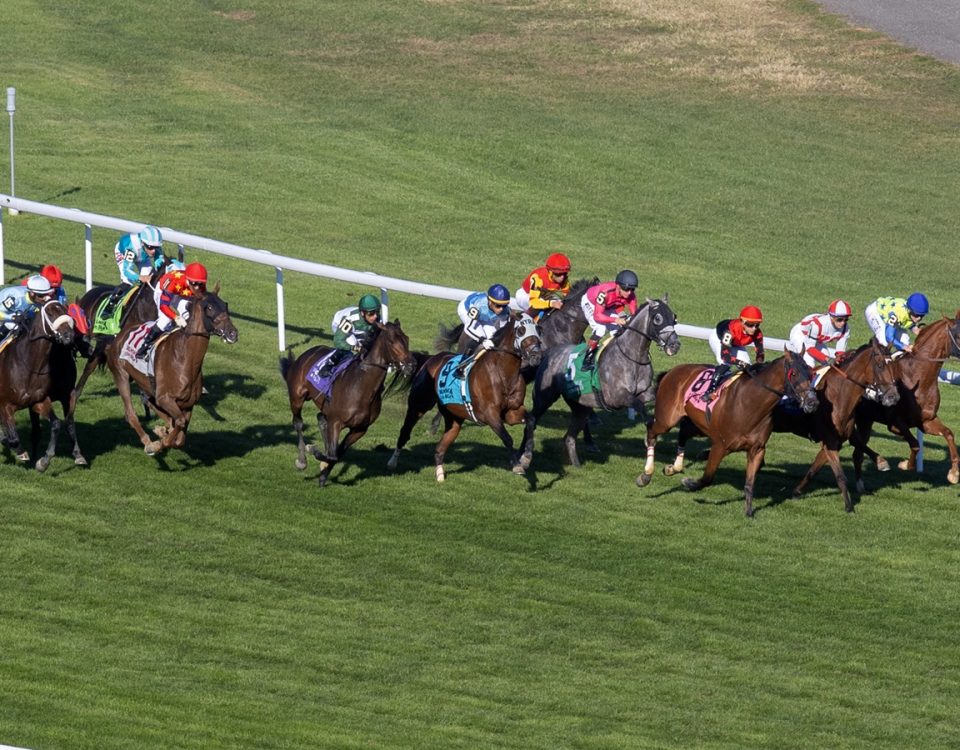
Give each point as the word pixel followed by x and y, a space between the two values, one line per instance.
pixel 138 256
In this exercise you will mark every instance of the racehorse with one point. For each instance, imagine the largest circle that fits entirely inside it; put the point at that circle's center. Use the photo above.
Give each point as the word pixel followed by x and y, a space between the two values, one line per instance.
pixel 624 371
pixel 29 378
pixel 177 380
pixel 864 374
pixel 140 308
pixel 355 397
pixel 496 387
pixel 916 376
pixel 740 418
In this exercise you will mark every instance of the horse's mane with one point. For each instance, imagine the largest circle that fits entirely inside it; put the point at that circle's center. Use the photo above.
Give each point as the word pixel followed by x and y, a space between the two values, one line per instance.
pixel 447 337
pixel 579 286
pixel 925 331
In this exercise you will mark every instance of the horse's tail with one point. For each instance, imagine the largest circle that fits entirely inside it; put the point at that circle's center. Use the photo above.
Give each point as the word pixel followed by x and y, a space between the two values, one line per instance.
pixel 286 363
pixel 448 337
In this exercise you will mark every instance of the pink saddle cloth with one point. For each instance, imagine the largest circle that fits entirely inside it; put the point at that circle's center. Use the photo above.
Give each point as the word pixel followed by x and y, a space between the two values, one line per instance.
pixel 694 394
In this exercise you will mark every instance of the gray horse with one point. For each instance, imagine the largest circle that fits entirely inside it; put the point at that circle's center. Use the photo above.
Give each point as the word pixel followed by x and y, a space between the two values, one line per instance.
pixel 624 370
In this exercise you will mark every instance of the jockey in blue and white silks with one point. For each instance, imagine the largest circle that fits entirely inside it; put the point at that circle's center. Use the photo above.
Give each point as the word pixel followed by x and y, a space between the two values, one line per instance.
pixel 17 303
pixel 138 256
pixel 483 314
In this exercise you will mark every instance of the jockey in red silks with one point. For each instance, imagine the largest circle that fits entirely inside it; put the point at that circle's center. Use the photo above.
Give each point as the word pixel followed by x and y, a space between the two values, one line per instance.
pixel 729 342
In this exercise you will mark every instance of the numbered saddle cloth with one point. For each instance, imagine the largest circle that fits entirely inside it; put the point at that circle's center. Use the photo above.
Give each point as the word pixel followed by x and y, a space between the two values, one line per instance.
pixel 323 381
pixel 576 380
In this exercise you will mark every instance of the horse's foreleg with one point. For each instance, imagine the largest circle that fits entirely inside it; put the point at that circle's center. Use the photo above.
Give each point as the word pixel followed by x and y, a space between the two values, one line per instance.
pixel 935 427
pixel 167 404
pixel 754 462
pixel 331 436
pixel 47 411
pixel 818 462
pixel 578 420
pixel 8 414
pixel 500 430
pixel 35 430
pixel 417 405
pixel 834 458
pixel 451 430
pixel 687 430
pixel 717 454
pixel 122 380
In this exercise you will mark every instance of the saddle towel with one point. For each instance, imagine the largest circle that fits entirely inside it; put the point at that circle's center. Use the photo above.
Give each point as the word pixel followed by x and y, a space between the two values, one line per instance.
pixel 451 388
pixel 128 352
pixel 323 382
pixel 697 389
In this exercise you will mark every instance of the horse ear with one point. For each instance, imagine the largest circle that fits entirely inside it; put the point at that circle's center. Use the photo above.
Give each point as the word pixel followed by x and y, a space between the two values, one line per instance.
pixel 649 301
pixel 666 297
pixel 216 289
pixel 396 321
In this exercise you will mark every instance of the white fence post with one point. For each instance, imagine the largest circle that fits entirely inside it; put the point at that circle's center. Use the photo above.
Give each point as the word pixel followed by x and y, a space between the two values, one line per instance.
pixel 281 322
pixel 384 305
pixel 88 255
pixel 2 265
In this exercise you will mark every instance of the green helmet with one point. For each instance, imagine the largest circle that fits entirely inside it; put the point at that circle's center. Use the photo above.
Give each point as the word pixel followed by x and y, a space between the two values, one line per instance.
pixel 369 303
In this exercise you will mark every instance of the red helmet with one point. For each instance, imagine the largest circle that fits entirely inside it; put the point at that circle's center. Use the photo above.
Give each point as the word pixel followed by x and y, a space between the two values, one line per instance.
pixel 52 274
pixel 558 262
pixel 196 272
pixel 839 309
pixel 751 314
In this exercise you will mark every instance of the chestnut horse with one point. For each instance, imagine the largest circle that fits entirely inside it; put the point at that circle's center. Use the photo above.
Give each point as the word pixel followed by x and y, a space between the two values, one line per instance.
pixel 177 382
pixel 30 379
pixel 355 396
pixel 740 418
pixel 865 373
pixel 916 376
pixel 496 386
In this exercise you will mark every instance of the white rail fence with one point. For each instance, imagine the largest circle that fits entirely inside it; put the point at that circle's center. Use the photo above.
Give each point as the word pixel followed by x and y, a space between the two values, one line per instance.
pixel 279 263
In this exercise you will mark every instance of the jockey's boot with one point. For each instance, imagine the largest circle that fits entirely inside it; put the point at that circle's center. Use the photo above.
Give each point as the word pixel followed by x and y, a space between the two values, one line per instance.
pixel 115 296
pixel 147 344
pixel 468 351
pixel 589 359
pixel 333 360
pixel 719 373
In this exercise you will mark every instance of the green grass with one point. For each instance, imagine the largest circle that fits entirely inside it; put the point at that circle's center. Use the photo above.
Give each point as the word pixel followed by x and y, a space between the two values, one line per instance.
pixel 731 152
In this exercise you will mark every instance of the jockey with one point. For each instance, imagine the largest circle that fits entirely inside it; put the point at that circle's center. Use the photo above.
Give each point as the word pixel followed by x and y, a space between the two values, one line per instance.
pixel 812 334
pixel 138 256
pixel 172 297
pixel 483 315
pixel 607 307
pixel 729 342
pixel 352 330
pixel 55 276
pixel 893 319
pixel 552 279
pixel 17 303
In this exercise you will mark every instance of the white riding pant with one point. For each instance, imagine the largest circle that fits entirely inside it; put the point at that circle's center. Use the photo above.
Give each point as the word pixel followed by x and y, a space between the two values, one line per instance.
pixel 879 326
pixel 740 353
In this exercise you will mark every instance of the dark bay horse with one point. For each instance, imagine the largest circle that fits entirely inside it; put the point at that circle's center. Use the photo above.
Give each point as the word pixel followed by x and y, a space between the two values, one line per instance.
pixel 177 382
pixel 497 390
pixel 355 397
pixel 864 374
pixel 624 370
pixel 566 324
pixel 740 418
pixel 140 308
pixel 30 379
pixel 916 375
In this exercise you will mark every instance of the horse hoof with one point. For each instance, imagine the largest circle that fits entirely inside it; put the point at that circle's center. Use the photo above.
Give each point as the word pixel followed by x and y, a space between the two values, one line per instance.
pixel 525 461
pixel 80 461
pixel 441 475
pixel 643 480
pixel 392 463
pixel 669 470
pixel 322 481
pixel 953 476
pixel 883 464
pixel 690 484
pixel 300 464
pixel 904 465
pixel 861 488
pixel 151 449
pixel 42 464
pixel 518 469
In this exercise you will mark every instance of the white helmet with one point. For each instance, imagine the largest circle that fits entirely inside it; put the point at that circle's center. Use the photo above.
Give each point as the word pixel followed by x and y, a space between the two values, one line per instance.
pixel 37 284
pixel 839 309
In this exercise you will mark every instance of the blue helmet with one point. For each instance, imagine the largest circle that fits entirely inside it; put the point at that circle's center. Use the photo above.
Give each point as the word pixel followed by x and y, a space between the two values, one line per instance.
pixel 917 304
pixel 150 236
pixel 498 294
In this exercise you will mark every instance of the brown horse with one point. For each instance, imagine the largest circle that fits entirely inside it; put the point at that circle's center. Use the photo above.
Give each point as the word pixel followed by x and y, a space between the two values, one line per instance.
pixel 916 376
pixel 355 396
pixel 864 374
pixel 28 379
pixel 177 382
pixel 140 308
pixel 496 386
pixel 740 418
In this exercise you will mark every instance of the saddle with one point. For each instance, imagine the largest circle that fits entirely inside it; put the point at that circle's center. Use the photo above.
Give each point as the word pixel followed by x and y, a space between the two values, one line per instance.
pixel 323 380
pixel 111 326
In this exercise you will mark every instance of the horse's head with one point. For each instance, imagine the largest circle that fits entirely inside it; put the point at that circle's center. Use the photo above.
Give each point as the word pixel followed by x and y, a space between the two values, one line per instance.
pixel 215 318
pixel 797 382
pixel 53 321
pixel 878 375
pixel 660 325
pixel 953 333
pixel 392 347
pixel 526 341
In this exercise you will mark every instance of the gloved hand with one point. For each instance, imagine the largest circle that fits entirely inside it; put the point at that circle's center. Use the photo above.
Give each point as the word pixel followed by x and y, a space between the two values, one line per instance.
pixel 840 357
pixel 356 348
pixel 760 358
pixel 180 321
pixel 16 316
pixel 487 344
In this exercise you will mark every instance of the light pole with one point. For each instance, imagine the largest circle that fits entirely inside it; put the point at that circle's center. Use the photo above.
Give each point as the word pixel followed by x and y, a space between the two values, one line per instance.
pixel 11 108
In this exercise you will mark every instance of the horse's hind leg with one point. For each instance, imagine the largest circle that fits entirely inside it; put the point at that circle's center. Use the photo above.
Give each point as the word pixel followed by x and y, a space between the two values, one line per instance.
pixel 452 429
pixel 717 454
pixel 47 410
pixel 122 381
pixel 936 427
pixel 687 430
pixel 754 462
pixel 818 462
pixel 578 420
pixel 834 458
pixel 418 403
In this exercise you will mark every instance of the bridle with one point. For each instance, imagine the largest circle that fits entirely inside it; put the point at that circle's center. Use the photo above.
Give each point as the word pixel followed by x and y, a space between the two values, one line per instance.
pixel 662 333
pixel 51 327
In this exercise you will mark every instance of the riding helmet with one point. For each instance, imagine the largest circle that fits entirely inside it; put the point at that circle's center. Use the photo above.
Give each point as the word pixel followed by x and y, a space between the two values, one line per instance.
pixel 751 314
pixel 558 262
pixel 196 272
pixel 839 309
pixel 37 284
pixel 52 274
pixel 498 294
pixel 369 303
pixel 150 236
pixel 917 304
pixel 627 280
